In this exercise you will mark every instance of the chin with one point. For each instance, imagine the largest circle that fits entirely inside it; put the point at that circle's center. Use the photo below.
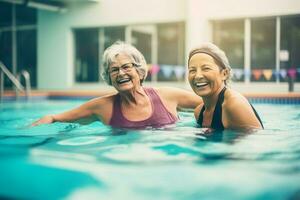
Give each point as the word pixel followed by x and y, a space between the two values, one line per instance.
pixel 124 87
pixel 202 92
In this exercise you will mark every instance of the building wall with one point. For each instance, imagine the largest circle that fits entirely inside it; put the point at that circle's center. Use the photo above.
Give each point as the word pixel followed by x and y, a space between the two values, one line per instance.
pixel 55 42
pixel 55 57
pixel 199 12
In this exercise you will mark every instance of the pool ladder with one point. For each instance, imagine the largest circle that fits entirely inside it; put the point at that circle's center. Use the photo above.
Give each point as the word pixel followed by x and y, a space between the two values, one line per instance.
pixel 15 80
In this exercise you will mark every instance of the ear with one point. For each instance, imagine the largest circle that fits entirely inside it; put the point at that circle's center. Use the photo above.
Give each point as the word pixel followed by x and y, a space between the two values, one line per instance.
pixel 225 74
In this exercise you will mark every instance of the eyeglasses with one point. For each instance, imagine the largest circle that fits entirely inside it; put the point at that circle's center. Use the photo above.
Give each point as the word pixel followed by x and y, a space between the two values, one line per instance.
pixel 125 68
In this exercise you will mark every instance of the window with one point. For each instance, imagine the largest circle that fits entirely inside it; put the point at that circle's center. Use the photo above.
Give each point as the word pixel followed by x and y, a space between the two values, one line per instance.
pixel 113 34
pixel 142 41
pixel 90 44
pixel 6 14
pixel 25 16
pixel 87 59
pixel 263 49
pixel 171 48
pixel 6 53
pixel 162 41
pixel 26 53
pixel 229 36
pixel 290 48
pixel 18 43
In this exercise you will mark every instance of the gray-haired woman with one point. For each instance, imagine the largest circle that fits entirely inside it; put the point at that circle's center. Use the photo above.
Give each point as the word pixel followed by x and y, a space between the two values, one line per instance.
pixel 134 106
pixel 222 107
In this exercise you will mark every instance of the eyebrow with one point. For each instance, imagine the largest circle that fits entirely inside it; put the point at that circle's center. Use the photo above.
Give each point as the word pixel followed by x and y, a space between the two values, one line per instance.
pixel 203 65
pixel 126 64
pixel 121 65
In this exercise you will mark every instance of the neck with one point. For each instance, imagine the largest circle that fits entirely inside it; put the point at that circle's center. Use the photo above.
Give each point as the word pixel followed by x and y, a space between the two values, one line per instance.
pixel 134 96
pixel 211 101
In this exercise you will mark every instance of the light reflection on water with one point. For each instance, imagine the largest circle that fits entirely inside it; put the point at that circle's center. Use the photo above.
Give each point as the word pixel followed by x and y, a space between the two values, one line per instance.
pixel 91 162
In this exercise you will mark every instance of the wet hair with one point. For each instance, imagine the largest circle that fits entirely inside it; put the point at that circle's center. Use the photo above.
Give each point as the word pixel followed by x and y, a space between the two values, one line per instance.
pixel 218 55
pixel 120 47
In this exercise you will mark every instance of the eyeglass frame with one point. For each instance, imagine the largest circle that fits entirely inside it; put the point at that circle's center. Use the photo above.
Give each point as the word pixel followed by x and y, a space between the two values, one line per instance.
pixel 118 69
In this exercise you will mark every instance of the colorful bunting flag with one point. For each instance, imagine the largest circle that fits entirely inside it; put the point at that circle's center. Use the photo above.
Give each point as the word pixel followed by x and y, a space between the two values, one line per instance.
pixel 179 72
pixel 257 73
pixel 238 73
pixel 283 73
pixel 154 69
pixel 267 74
pixel 166 70
pixel 292 72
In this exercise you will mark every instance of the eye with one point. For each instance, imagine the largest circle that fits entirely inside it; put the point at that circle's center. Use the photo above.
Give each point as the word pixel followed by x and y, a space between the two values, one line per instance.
pixel 192 70
pixel 114 69
pixel 206 68
pixel 126 67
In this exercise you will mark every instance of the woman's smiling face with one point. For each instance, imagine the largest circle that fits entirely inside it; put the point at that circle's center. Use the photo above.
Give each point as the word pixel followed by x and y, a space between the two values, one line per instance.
pixel 205 76
pixel 123 74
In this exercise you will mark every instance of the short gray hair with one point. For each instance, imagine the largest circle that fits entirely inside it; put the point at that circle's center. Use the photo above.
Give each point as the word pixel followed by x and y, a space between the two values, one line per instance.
pixel 218 55
pixel 114 50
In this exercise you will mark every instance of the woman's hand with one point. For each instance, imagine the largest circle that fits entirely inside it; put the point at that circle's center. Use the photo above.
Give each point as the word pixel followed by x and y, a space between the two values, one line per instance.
pixel 48 119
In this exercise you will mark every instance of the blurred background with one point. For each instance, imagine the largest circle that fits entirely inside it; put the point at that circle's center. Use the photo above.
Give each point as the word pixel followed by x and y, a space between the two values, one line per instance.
pixel 60 42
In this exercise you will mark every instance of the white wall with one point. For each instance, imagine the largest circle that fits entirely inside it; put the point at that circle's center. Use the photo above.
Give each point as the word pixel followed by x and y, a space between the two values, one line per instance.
pixel 55 51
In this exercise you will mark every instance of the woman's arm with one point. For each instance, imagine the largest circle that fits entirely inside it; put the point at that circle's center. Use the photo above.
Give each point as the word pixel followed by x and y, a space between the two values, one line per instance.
pixel 180 98
pixel 188 99
pixel 86 113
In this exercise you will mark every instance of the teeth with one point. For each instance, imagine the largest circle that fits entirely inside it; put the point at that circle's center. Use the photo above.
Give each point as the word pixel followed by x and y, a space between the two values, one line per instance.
pixel 123 80
pixel 200 84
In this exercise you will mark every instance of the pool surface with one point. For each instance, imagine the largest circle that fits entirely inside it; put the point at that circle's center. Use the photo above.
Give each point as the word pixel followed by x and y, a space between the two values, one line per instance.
pixel 69 161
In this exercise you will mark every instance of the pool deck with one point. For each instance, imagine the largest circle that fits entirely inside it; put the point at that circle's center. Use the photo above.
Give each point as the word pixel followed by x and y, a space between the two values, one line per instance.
pixel 93 93
pixel 88 94
pixel 256 92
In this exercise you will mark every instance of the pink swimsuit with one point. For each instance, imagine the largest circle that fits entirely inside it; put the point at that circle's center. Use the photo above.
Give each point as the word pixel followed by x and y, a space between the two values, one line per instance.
pixel 160 115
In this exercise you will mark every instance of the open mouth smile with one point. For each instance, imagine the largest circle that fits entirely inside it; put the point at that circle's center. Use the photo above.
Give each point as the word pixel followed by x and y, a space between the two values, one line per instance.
pixel 123 80
pixel 200 85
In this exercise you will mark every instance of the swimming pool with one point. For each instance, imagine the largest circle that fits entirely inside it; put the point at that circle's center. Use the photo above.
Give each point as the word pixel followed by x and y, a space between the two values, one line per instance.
pixel 68 161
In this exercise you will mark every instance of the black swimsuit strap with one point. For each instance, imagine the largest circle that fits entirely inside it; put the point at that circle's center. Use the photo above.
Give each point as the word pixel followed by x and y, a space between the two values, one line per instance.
pixel 216 122
pixel 257 116
pixel 200 117
pixel 217 115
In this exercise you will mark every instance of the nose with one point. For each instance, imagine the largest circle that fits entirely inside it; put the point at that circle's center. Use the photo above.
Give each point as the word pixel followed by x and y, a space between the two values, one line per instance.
pixel 199 73
pixel 121 71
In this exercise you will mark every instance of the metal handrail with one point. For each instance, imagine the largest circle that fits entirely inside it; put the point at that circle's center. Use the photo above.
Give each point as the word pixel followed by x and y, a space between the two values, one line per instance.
pixel 26 76
pixel 14 80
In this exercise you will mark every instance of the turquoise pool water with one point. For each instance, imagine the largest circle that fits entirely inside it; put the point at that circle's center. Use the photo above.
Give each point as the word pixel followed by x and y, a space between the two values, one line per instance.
pixel 69 161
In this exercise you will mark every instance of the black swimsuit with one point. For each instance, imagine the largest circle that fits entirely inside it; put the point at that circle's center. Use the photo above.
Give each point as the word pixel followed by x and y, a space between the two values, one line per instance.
pixel 217 116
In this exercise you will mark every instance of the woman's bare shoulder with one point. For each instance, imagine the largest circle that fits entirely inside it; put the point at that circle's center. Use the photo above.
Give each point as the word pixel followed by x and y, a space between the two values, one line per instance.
pixel 103 101
pixel 238 112
pixel 232 97
pixel 235 102
pixel 103 107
